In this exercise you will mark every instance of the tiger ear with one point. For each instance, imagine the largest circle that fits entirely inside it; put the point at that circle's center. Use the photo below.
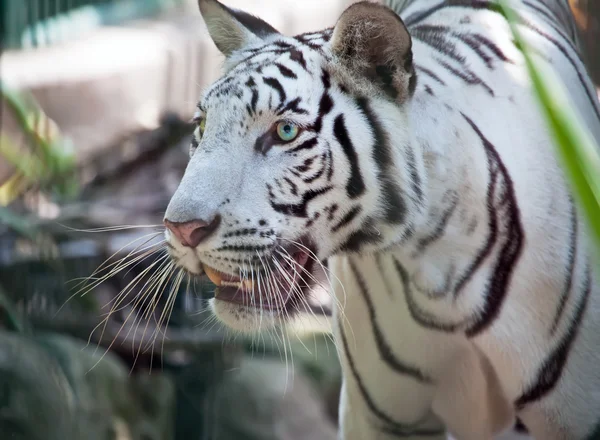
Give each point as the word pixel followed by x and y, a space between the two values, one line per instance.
pixel 231 29
pixel 371 40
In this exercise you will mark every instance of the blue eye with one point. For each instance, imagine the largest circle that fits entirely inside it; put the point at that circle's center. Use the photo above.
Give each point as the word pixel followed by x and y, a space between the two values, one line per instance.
pixel 287 131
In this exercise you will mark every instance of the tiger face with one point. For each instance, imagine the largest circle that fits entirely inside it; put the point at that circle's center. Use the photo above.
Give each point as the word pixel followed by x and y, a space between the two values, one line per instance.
pixel 291 161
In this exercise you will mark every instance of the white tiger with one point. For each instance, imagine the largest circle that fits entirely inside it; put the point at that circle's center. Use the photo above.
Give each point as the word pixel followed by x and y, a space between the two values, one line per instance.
pixel 410 157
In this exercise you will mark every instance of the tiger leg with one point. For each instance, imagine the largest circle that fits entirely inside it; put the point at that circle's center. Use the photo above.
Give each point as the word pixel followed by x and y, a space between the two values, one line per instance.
pixel 469 397
pixel 358 422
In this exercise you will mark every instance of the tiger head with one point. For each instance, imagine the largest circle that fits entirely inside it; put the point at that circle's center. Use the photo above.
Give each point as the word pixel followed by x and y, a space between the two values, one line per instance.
pixel 301 152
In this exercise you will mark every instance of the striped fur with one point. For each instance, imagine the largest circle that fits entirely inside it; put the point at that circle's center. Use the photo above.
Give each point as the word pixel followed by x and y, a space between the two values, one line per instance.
pixel 425 179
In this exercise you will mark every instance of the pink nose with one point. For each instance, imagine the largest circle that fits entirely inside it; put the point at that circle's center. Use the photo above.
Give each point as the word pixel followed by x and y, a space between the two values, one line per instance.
pixel 191 233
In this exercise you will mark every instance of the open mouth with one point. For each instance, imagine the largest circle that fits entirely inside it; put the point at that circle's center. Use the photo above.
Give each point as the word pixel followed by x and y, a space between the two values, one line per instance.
pixel 280 287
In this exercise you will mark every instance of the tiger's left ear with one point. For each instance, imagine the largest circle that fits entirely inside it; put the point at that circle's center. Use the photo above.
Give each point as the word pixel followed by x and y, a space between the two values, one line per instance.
pixel 370 40
pixel 231 29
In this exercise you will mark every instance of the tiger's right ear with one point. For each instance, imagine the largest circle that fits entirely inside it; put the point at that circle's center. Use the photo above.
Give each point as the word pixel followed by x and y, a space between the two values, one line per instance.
pixel 371 41
pixel 231 29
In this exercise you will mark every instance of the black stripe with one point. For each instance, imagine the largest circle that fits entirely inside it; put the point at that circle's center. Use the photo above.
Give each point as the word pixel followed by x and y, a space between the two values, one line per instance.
pixel 298 57
pixel 355 186
pixel 318 173
pixel 551 370
pixel 297 209
pixel 282 44
pixel 467 76
pixel 398 429
pixel 325 106
pixel 276 85
pixel 469 41
pixel 485 5
pixel 292 106
pixel 311 41
pixel 254 100
pixel 430 73
pixel 326 78
pixel 383 346
pixel 509 254
pixel 418 17
pixel 293 187
pixel 251 64
pixel 395 206
pixel 493 47
pixel 306 165
pixel 331 211
pixel 285 71
pixel 367 234
pixel 570 269
pixel 330 163
pixel 306 145
pixel 421 316
pixel 351 215
pixel 439 230
pixel 435 37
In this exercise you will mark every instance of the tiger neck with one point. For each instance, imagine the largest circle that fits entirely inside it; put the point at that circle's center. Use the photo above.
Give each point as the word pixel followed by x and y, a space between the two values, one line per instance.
pixel 440 140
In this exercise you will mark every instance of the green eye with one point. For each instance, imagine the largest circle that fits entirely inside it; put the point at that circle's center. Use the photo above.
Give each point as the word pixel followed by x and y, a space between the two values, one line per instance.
pixel 201 126
pixel 287 131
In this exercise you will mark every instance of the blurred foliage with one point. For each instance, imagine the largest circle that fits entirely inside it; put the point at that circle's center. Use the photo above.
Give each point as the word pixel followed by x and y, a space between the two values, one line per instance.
pixel 46 162
pixel 576 148
pixel 35 23
pixel 41 161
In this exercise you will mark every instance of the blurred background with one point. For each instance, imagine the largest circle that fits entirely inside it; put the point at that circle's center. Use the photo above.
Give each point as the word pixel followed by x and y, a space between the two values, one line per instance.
pixel 94 132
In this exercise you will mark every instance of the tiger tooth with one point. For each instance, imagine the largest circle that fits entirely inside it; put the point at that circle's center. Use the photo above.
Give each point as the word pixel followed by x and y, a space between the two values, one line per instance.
pixel 213 275
pixel 244 284
pixel 217 279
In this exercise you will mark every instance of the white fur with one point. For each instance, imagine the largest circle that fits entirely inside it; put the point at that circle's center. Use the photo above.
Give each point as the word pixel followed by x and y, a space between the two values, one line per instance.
pixel 474 381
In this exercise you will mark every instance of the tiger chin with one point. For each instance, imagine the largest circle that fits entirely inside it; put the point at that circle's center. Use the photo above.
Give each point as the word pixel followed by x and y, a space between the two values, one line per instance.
pixel 399 162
